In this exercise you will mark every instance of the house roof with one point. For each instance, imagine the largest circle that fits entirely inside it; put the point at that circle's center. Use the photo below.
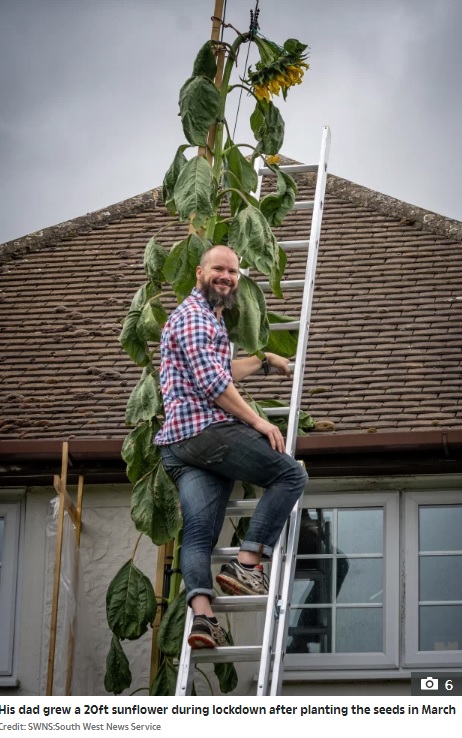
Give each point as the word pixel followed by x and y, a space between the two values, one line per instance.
pixel 384 353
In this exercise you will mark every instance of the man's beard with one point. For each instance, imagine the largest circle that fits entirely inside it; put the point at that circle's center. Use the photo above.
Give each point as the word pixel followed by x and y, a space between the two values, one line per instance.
pixel 216 299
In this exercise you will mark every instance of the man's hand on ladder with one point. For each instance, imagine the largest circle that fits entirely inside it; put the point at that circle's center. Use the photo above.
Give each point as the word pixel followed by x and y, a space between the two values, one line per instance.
pixel 279 363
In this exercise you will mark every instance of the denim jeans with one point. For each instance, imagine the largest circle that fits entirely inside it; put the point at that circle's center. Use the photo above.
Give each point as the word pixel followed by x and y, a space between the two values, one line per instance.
pixel 205 468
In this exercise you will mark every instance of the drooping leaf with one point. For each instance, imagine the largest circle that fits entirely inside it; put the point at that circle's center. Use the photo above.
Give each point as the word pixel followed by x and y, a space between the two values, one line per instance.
pixel 118 675
pixel 138 450
pixel 130 603
pixel 151 321
pixel 171 630
pixel 194 191
pixel 155 507
pixel 246 322
pixel 220 233
pixel 283 343
pixel 164 685
pixel 270 132
pixel 239 174
pixel 135 346
pixel 276 205
pixel 252 238
pixel 278 271
pixel 154 257
pixel 258 118
pixel 171 177
pixel 204 63
pixel 295 47
pixel 180 265
pixel 144 401
pixel 199 105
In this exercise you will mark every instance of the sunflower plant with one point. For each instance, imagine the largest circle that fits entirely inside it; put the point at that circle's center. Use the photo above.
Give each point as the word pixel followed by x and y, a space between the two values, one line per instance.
pixel 195 191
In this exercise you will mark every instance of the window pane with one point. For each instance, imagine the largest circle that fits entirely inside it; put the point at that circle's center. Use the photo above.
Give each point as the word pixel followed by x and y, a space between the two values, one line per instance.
pixel 362 580
pixel 440 528
pixel 440 628
pixel 360 531
pixel 359 630
pixel 312 582
pixel 315 532
pixel 310 631
pixel 440 578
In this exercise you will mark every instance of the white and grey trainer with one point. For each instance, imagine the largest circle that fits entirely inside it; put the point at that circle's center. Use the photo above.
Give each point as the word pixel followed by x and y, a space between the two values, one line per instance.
pixel 235 579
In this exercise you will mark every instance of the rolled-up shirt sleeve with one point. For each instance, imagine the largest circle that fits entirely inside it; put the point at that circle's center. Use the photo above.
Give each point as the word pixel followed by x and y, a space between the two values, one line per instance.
pixel 197 335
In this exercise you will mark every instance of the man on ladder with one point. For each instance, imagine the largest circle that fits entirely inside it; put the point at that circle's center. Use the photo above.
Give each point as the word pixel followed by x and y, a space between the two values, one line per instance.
pixel 212 438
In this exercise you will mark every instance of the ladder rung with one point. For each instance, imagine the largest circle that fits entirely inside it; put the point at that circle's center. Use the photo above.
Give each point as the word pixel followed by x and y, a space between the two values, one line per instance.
pixel 221 554
pixel 276 411
pixel 290 169
pixel 294 325
pixel 225 654
pixel 241 603
pixel 286 284
pixel 239 507
pixel 293 245
pixel 303 205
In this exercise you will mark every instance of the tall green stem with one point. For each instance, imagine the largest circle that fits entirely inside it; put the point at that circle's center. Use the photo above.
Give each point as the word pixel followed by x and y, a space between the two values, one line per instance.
pixel 218 147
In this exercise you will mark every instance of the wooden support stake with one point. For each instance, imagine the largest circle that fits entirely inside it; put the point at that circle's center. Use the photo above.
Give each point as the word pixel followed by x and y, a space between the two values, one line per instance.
pixel 68 504
pixel 71 639
pixel 216 29
pixel 58 552
pixel 164 554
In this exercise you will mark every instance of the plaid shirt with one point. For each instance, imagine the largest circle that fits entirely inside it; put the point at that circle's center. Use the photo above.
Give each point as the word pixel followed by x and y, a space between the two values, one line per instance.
pixel 195 368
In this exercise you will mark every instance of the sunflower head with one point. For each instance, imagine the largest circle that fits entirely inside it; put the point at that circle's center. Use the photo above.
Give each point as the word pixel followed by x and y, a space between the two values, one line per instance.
pixel 279 67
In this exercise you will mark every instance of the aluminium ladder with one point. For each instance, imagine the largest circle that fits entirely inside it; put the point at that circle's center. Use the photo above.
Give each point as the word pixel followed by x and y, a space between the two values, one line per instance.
pixel 270 654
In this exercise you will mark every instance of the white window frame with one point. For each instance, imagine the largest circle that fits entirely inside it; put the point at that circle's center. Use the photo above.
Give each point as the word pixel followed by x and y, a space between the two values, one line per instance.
pixel 389 658
pixel 11 513
pixel 413 657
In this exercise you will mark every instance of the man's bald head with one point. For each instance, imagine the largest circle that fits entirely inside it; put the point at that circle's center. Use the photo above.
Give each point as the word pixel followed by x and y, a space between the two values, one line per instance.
pixel 215 251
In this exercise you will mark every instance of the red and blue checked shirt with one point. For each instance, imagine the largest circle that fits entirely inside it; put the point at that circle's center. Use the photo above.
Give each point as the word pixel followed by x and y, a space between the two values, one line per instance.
pixel 195 369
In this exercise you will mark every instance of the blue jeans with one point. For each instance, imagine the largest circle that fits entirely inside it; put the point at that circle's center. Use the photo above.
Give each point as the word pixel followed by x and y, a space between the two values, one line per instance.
pixel 204 469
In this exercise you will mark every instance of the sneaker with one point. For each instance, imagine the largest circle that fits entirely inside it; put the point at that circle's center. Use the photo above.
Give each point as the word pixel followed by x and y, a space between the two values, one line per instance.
pixel 235 579
pixel 205 634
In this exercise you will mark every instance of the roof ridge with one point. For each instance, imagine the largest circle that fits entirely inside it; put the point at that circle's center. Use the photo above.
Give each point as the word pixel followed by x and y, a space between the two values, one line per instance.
pixel 404 212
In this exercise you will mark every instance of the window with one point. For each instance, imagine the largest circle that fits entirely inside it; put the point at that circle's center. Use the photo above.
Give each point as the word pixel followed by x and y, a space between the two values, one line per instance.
pixel 9 550
pixel 344 610
pixel 433 603
pixel 378 581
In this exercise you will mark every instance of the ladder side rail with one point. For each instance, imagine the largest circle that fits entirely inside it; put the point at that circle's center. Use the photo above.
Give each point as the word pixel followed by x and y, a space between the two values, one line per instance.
pixel 185 665
pixel 305 318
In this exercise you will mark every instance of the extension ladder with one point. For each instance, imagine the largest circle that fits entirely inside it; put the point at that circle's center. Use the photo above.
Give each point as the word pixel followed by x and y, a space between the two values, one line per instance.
pixel 271 653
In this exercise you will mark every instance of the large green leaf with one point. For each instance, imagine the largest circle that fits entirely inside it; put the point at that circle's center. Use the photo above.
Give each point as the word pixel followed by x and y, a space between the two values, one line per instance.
pixel 204 63
pixel 278 271
pixel 283 343
pixel 155 507
pixel 195 191
pixel 252 238
pixel 130 603
pixel 138 450
pixel 180 265
pixel 239 174
pixel 276 205
pixel 171 630
pixel 199 105
pixel 154 257
pixel 135 346
pixel 151 321
pixel 118 675
pixel 164 685
pixel 268 128
pixel 246 322
pixel 171 177
pixel 144 401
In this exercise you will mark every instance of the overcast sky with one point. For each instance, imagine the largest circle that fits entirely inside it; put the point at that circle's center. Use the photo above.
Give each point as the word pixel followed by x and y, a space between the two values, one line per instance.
pixel 89 91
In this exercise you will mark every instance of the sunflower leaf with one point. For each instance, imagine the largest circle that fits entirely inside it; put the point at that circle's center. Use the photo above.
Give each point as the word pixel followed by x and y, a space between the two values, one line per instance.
pixel 130 603
pixel 199 105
